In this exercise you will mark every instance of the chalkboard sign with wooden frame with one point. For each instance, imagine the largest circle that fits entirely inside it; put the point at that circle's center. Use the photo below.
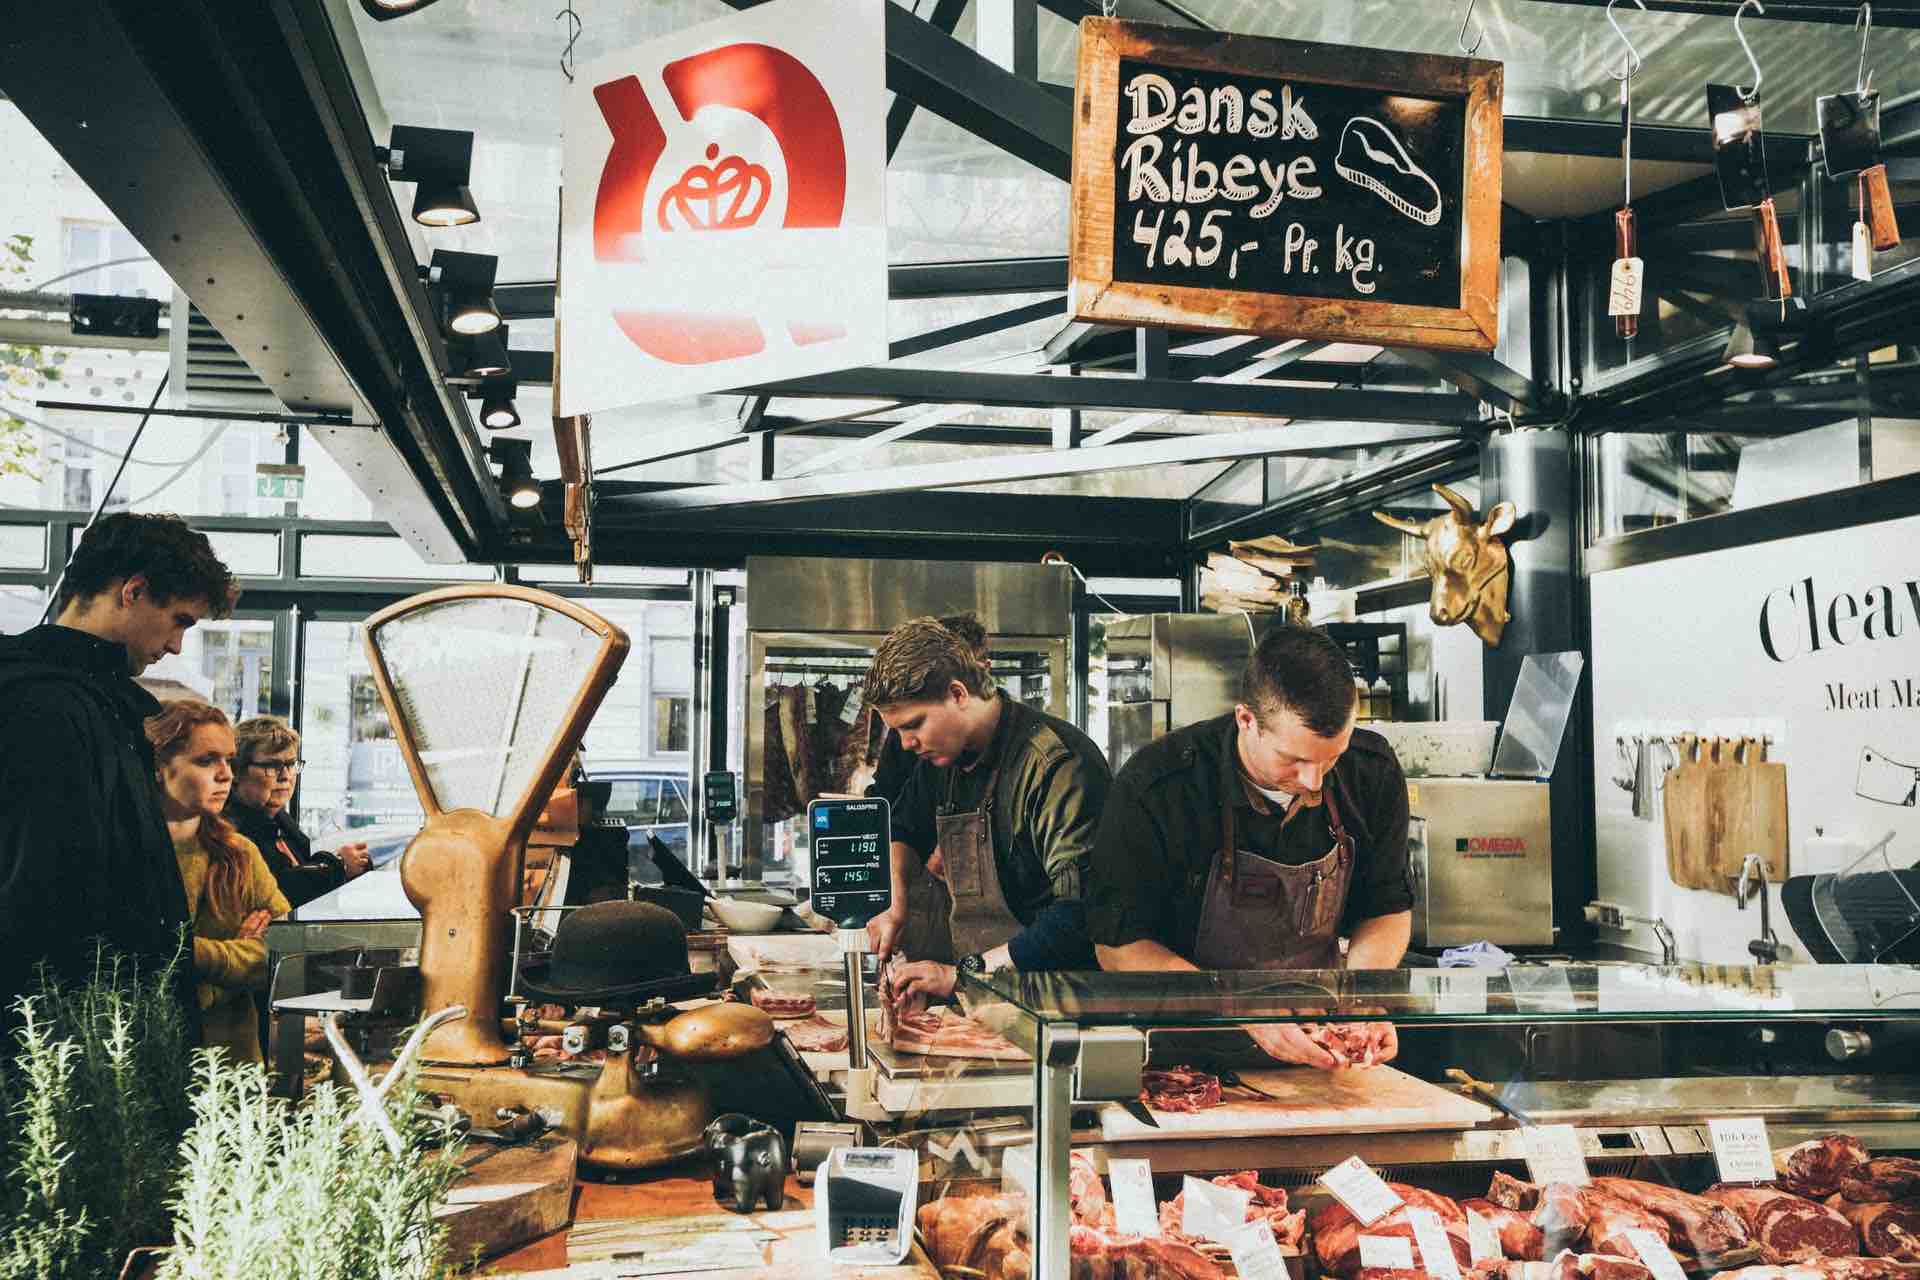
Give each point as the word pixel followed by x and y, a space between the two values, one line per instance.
pixel 1243 184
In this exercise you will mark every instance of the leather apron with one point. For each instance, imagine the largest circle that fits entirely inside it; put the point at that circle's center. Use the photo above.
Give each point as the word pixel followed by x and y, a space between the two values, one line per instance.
pixel 1263 914
pixel 978 918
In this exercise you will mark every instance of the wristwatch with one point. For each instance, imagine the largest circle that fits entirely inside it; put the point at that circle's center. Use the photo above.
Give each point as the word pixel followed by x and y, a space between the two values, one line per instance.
pixel 973 962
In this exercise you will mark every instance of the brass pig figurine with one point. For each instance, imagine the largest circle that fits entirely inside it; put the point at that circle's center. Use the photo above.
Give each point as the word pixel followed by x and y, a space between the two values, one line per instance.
pixel 1468 563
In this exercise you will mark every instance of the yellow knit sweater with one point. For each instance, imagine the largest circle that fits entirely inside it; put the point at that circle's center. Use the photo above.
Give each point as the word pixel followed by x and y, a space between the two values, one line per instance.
pixel 230 968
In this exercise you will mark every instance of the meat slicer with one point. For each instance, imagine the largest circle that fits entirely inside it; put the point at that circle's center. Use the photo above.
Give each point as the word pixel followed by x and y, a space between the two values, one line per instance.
pixel 489 690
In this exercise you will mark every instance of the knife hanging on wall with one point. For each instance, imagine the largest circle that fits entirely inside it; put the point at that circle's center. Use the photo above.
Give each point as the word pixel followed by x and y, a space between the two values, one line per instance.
pixel 1850 148
pixel 1740 161
pixel 1627 285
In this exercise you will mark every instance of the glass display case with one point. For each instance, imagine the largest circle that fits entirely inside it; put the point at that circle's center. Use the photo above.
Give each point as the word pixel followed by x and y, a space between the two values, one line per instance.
pixel 1494 1075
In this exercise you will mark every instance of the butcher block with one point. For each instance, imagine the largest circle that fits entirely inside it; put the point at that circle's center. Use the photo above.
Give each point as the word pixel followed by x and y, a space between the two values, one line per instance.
pixel 1305 1101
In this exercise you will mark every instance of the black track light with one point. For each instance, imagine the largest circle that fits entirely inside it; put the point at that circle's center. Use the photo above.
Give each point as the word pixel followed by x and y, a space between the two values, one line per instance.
pixel 386 10
pixel 463 283
pixel 515 459
pixel 497 410
pixel 483 355
pixel 439 160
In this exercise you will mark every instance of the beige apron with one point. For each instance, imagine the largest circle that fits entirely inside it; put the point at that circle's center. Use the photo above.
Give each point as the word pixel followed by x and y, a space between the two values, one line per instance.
pixel 969 912
pixel 1263 914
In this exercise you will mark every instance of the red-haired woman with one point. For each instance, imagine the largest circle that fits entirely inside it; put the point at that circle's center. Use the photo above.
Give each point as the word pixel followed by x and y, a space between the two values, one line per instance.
pixel 230 890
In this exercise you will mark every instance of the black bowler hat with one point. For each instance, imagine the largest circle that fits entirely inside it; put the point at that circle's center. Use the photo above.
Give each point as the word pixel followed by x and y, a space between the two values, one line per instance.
pixel 616 952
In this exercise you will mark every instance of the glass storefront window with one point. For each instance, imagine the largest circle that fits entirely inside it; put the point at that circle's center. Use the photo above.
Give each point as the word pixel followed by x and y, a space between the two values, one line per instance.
pixel 1646 481
pixel 672 692
pixel 229 664
pixel 355 776
pixel 20 609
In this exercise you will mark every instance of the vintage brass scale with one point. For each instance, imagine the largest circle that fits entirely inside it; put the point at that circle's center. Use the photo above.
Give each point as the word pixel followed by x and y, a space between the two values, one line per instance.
pixel 489 690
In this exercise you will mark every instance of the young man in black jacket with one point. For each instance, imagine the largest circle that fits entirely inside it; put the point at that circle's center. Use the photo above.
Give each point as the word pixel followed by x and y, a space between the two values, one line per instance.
pixel 84 850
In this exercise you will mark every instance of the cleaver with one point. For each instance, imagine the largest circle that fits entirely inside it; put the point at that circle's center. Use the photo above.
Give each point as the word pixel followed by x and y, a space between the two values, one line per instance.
pixel 1887 781
pixel 1740 161
pixel 1850 145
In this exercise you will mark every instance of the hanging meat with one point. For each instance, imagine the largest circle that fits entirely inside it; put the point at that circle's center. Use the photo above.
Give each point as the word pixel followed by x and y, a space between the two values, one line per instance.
pixel 1790 1228
pixel 1336 1232
pixel 1888 1228
pixel 827 735
pixel 798 743
pixel 859 751
pixel 779 801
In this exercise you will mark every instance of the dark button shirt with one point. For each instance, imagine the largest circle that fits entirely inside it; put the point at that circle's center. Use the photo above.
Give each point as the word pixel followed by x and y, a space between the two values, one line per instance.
pixel 84 849
pixel 1162 829
pixel 302 872
pixel 1052 786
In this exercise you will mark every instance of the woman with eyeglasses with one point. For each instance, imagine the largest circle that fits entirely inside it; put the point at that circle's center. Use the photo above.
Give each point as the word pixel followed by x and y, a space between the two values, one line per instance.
pixel 266 767
pixel 230 892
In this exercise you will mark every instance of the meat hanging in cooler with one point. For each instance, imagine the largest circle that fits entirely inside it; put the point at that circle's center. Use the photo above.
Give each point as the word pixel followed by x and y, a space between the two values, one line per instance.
pixel 799 744
pixel 1790 1228
pixel 778 798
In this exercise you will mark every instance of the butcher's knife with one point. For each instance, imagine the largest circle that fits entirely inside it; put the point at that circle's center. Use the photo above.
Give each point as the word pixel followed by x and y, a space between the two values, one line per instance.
pixel 1233 1079
pixel 1489 1093
pixel 1138 1110
pixel 1740 160
pixel 1850 145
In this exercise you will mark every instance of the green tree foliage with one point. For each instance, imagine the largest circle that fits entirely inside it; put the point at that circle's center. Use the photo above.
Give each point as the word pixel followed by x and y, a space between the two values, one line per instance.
pixel 24 367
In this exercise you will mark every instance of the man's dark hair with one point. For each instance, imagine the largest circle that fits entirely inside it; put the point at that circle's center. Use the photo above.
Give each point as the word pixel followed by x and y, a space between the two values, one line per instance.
pixel 1302 670
pixel 177 561
pixel 920 659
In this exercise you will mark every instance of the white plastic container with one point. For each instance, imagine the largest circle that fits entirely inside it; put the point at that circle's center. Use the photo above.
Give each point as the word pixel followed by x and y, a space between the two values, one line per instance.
pixel 1441 748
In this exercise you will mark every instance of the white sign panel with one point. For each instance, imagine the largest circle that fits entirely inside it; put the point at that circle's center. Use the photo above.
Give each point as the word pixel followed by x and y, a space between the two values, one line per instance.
pixel 724 216
pixel 1554 1154
pixel 1741 1149
pixel 1134 1210
pixel 1387 1253
pixel 1358 1187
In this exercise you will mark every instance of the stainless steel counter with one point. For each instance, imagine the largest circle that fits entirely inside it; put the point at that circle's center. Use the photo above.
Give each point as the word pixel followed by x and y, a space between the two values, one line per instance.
pixel 1776 1099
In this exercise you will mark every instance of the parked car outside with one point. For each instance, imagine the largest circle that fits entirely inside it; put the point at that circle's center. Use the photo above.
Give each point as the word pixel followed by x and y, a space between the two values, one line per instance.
pixel 648 802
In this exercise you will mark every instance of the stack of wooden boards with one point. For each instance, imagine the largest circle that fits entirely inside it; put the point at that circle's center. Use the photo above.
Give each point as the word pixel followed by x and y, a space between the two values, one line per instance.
pixel 1253 576
pixel 1724 800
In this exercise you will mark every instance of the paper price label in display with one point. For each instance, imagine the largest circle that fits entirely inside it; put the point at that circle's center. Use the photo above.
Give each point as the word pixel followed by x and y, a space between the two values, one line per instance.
pixel 1862 253
pixel 1256 1255
pixel 1359 1188
pixel 1554 1154
pixel 1623 292
pixel 1436 1253
pixel 1654 1253
pixel 1394 1253
pixel 1134 1210
pixel 1483 1239
pixel 1453 991
pixel 1741 1147
pixel 1212 1212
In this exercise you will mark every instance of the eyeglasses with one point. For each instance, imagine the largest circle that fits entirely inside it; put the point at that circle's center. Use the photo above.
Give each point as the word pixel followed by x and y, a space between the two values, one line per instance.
pixel 287 767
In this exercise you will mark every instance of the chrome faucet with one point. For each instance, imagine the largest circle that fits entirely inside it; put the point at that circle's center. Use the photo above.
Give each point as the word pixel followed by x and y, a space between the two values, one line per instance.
pixel 1766 948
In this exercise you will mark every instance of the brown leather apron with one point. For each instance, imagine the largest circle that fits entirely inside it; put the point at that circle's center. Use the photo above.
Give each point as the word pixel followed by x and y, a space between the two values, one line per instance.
pixel 925 936
pixel 977 916
pixel 1263 914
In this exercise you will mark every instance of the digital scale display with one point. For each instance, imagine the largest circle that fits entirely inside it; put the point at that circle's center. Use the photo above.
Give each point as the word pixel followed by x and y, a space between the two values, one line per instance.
pixel 852 881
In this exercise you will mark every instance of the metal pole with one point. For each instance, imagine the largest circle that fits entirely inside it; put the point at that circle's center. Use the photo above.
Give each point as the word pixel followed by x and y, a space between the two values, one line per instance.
pixel 698 830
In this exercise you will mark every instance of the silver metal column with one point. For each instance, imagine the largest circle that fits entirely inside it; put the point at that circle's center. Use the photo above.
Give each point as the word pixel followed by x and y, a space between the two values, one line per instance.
pixel 1053 1070
pixel 699 841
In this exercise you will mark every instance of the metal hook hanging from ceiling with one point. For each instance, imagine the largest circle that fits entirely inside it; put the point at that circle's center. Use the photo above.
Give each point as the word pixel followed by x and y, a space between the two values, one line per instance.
pixel 1631 64
pixel 1479 35
pixel 1863 78
pixel 1748 95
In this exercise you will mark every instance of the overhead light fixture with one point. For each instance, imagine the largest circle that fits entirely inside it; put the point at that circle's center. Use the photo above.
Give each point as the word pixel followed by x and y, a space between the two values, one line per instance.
pixel 464 285
pixel 387 10
pixel 515 459
pixel 483 356
pixel 439 161
pixel 497 410
pixel 1748 349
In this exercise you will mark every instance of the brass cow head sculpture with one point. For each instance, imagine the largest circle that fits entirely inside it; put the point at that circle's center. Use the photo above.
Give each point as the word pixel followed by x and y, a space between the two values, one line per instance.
pixel 1467 562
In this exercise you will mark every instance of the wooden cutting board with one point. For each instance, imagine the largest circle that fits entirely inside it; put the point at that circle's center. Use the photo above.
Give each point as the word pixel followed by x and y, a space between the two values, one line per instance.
pixel 1688 838
pixel 1352 1100
pixel 1721 805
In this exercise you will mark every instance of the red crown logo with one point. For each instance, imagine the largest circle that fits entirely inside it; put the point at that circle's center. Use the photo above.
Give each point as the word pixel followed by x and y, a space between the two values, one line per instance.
pixel 726 196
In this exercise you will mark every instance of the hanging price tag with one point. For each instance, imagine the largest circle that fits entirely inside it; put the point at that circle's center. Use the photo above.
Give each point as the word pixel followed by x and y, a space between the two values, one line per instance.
pixel 1483 1239
pixel 1623 292
pixel 1212 1212
pixel 1554 1154
pixel 851 708
pixel 1394 1253
pixel 1256 1255
pixel 1862 253
pixel 1741 1147
pixel 1134 1211
pixel 1359 1188
pixel 1654 1253
pixel 1436 1252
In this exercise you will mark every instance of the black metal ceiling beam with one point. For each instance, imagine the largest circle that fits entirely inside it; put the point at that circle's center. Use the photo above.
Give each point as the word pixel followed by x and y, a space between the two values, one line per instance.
pixel 943 386
pixel 1000 321
pixel 1601 138
pixel 945 17
pixel 1484 378
pixel 1776 11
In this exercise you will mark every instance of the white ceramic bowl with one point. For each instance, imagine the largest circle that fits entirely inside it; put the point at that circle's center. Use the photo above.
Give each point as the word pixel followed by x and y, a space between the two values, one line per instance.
pixel 745 917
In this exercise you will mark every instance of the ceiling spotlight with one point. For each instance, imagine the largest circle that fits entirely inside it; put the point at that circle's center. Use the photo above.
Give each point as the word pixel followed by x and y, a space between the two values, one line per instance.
pixel 1749 350
pixel 484 355
pixel 439 160
pixel 497 410
pixel 386 10
pixel 515 458
pixel 464 283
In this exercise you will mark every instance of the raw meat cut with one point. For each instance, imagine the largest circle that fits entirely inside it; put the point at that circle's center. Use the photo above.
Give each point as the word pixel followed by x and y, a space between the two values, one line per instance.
pixel 1101 1255
pixel 1701 1228
pixel 1790 1228
pixel 1609 1218
pixel 816 1035
pixel 1269 1205
pixel 1086 1194
pixel 1888 1228
pixel 1884 1178
pixel 1336 1232
pixel 1571 1217
pixel 1350 1043
pixel 1818 1166
pixel 1609 1266
pixel 987 1234
pixel 941 1033
pixel 1510 1192
pixel 779 800
pixel 1828 1269
pixel 798 743
pixel 1519 1238
pixel 1179 1089
pixel 781 1005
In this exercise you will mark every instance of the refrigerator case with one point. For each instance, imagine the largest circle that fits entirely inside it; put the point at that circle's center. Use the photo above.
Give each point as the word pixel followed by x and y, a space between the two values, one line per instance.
pixel 1480 855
